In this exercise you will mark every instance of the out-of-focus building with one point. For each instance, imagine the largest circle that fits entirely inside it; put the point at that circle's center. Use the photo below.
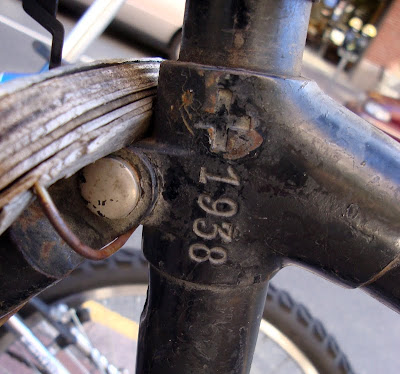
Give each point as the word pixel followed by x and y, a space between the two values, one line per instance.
pixel 362 36
pixel 384 51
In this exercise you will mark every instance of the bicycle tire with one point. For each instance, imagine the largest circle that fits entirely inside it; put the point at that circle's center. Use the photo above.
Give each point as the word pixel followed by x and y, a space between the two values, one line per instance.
pixel 289 317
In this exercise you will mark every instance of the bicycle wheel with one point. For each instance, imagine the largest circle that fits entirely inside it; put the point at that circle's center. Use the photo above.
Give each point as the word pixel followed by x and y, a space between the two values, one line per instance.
pixel 290 339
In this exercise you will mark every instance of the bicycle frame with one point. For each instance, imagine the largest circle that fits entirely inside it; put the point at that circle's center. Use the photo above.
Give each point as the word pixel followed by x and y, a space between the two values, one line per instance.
pixel 254 168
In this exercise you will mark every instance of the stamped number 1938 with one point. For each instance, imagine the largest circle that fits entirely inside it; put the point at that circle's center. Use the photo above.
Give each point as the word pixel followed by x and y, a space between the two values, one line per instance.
pixel 220 208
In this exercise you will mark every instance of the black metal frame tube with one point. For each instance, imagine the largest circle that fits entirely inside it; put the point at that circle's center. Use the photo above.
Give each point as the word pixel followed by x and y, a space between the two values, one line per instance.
pixel 198 319
pixel 265 36
pixel 191 328
pixel 268 171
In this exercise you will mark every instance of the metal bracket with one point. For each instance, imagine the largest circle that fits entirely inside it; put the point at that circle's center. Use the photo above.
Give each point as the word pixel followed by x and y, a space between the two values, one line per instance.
pixel 44 12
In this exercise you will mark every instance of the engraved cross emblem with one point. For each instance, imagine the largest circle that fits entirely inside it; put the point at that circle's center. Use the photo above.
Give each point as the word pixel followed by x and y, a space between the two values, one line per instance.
pixel 219 128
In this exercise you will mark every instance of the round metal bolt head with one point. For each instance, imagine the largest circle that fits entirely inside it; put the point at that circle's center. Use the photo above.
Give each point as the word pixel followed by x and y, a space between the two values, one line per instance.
pixel 111 187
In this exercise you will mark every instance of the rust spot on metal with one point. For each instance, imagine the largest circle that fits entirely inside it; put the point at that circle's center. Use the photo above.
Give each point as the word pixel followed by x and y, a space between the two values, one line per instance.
pixel 47 248
pixel 31 215
pixel 241 143
pixel 187 101
pixel 211 79
pixel 211 83
pixel 187 98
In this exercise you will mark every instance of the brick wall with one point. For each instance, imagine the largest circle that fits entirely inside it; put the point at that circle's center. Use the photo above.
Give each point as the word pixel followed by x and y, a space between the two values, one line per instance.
pixel 385 49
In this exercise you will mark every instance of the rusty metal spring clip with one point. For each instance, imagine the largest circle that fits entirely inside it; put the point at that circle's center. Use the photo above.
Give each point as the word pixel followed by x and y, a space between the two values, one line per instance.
pixel 69 237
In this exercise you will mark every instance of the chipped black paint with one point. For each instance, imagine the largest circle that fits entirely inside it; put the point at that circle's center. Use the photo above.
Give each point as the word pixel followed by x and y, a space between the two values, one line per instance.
pixel 241 14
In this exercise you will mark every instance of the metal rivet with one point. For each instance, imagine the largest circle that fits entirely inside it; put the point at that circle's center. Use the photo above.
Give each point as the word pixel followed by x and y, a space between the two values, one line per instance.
pixel 111 187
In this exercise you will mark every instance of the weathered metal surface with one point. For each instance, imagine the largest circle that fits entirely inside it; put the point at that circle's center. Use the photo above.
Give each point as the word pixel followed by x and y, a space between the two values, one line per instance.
pixel 18 279
pixel 54 124
pixel 198 307
pixel 323 182
pixel 262 36
pixel 255 172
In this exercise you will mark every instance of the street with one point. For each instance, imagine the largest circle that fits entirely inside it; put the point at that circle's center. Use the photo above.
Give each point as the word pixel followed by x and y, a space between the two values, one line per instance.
pixel 367 331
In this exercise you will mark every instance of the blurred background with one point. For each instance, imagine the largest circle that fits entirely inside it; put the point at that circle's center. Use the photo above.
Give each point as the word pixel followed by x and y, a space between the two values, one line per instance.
pixel 353 53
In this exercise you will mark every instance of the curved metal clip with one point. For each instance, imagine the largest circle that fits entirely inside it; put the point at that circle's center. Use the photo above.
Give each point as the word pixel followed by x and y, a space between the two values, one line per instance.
pixel 69 237
pixel 44 12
